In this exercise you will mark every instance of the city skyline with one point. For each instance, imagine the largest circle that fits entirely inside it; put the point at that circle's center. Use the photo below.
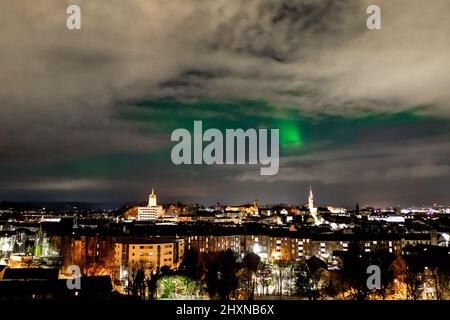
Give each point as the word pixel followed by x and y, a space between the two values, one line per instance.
pixel 306 202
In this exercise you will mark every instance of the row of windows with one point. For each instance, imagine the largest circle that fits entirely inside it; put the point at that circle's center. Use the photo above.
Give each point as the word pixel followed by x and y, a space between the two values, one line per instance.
pixel 143 261
pixel 417 242
pixel 150 253
pixel 142 247
pixel 167 246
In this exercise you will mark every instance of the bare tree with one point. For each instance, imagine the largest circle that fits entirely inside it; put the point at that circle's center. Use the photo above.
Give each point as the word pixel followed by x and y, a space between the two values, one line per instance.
pixel 411 274
pixel 441 281
pixel 136 282
pixel 283 277
pixel 250 265
pixel 312 278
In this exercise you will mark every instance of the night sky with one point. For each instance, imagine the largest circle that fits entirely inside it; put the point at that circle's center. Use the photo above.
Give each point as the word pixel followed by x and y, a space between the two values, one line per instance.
pixel 86 115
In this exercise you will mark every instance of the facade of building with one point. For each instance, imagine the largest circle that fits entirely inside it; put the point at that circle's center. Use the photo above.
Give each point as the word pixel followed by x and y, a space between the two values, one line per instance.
pixel 208 244
pixel 249 209
pixel 285 248
pixel 87 252
pixel 151 254
pixel 152 211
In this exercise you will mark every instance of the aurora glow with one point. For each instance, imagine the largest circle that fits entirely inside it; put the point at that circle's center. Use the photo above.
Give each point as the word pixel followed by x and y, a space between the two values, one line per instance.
pixel 363 116
pixel 290 135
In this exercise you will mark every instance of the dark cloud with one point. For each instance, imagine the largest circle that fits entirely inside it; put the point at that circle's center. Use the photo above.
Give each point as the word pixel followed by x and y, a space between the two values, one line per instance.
pixel 71 96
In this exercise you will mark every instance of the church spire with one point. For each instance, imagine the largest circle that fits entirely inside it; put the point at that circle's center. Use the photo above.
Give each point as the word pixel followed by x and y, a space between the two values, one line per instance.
pixel 311 207
pixel 310 199
pixel 152 199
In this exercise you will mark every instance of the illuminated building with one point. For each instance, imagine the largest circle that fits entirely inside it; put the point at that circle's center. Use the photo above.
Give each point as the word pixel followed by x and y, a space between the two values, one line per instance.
pixel 208 244
pixel 312 209
pixel 336 210
pixel 250 209
pixel 91 253
pixel 152 211
pixel 287 248
pixel 150 254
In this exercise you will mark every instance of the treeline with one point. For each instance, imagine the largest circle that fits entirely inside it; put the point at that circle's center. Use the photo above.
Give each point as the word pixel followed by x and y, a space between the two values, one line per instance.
pixel 224 275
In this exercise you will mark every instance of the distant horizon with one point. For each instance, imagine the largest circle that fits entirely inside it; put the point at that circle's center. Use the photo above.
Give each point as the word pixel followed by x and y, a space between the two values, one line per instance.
pixel 118 204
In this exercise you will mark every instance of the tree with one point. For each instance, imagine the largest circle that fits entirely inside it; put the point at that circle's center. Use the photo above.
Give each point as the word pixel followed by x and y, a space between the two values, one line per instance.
pixel 167 286
pixel 384 260
pixel 336 284
pixel 152 284
pixel 249 267
pixel 192 267
pixel 441 280
pixel 221 279
pixel 264 277
pixel 414 283
pixel 427 268
pixel 355 263
pixel 411 273
pixel 136 282
pixel 312 278
pixel 283 277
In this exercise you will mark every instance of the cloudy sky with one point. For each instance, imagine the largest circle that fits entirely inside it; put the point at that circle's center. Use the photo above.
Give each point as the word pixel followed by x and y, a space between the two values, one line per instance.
pixel 363 115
